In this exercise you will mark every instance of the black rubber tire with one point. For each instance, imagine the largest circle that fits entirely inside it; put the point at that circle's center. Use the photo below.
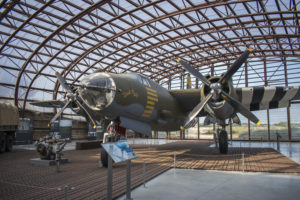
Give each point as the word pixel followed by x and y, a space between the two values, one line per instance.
pixel 2 144
pixel 52 156
pixel 104 158
pixel 9 143
pixel 223 142
pixel 41 149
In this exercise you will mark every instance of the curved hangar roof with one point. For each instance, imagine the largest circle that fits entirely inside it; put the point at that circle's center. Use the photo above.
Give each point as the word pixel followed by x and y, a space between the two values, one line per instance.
pixel 144 36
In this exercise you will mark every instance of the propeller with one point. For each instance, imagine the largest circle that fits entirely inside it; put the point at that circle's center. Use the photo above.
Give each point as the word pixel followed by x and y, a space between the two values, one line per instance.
pixel 71 97
pixel 217 90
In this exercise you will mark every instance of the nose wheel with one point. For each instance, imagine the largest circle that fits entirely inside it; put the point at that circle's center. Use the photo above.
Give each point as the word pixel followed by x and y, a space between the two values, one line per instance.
pixel 223 141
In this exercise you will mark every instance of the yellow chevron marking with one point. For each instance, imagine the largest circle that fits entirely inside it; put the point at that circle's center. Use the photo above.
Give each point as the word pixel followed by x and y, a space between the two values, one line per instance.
pixel 151 103
pixel 149 107
pixel 145 115
pixel 148 111
pixel 151 94
pixel 94 126
pixel 258 123
pixel 151 90
pixel 152 98
pixel 181 128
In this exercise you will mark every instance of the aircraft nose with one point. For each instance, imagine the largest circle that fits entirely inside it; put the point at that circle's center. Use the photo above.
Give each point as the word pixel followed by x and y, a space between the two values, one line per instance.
pixel 97 91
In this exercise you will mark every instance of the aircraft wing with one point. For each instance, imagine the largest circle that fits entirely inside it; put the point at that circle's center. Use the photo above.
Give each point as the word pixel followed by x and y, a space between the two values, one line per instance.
pixel 261 98
pixel 50 104
pixel 254 98
pixel 187 99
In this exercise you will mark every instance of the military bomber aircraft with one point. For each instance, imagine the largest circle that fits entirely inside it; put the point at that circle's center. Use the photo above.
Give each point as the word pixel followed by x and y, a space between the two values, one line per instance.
pixel 133 101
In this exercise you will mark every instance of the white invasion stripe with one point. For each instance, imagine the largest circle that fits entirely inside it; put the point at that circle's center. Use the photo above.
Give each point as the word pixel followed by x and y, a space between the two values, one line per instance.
pixel 290 93
pixel 268 96
pixel 247 94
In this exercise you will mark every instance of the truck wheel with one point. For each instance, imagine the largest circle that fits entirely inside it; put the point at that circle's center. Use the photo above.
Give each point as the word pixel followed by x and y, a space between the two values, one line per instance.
pixel 104 158
pixel 9 143
pixel 2 144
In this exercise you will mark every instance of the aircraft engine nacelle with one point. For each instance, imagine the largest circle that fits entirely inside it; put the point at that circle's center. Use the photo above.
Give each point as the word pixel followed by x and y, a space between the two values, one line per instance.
pixel 222 109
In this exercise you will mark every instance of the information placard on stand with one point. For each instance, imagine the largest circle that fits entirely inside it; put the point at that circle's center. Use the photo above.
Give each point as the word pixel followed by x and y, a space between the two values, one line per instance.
pixel 119 152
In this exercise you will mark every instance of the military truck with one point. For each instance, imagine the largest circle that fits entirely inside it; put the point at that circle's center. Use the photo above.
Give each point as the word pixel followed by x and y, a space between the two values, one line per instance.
pixel 9 120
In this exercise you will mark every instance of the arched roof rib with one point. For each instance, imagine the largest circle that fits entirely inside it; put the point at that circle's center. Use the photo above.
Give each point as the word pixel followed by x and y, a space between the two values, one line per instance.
pixel 75 37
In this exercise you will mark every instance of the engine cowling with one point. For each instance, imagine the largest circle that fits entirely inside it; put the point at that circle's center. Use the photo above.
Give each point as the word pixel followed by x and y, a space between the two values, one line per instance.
pixel 222 109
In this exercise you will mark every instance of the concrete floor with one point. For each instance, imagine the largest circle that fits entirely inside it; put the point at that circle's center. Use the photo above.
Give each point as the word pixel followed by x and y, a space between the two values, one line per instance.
pixel 200 184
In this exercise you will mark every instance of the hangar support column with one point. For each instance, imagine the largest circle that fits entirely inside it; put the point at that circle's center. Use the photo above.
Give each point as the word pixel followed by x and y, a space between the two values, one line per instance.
pixel 182 132
pixel 198 124
pixel 246 85
pixel 268 111
pixel 288 107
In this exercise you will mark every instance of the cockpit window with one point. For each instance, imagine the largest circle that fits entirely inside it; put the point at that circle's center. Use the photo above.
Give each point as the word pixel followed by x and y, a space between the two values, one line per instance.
pixel 144 81
pixel 102 82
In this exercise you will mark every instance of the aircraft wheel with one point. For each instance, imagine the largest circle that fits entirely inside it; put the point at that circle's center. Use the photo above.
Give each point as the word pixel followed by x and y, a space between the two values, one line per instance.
pixel 104 158
pixel 2 144
pixel 223 142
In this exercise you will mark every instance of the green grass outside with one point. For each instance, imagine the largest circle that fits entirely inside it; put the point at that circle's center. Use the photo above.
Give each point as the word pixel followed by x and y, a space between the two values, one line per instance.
pixel 240 132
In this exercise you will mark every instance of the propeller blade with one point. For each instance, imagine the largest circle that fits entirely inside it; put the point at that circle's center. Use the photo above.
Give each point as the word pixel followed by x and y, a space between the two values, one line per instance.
pixel 240 108
pixel 60 112
pixel 63 82
pixel 193 71
pixel 235 66
pixel 86 112
pixel 196 110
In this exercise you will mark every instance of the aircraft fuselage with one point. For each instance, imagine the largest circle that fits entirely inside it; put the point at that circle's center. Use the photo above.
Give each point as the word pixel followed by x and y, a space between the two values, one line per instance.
pixel 134 97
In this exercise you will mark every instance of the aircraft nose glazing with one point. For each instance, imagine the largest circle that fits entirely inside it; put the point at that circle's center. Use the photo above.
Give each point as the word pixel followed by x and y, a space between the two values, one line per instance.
pixel 97 91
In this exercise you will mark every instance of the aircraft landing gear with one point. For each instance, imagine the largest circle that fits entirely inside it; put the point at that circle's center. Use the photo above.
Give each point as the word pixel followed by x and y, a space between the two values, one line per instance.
pixel 114 132
pixel 223 141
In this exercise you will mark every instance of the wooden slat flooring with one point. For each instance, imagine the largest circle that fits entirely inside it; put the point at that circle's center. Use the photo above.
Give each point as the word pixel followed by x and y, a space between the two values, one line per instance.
pixel 21 180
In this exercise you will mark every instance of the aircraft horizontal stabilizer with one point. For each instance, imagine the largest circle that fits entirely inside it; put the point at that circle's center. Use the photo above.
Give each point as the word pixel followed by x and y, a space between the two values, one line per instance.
pixel 50 104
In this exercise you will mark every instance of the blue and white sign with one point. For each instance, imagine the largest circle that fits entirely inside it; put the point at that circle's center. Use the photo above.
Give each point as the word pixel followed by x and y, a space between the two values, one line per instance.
pixel 119 151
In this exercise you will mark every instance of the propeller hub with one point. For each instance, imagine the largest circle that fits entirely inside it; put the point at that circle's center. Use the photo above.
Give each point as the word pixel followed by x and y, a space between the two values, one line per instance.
pixel 215 89
pixel 215 86
pixel 71 95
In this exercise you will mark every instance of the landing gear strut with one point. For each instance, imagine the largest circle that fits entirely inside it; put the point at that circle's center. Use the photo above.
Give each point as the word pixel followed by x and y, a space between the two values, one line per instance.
pixel 114 132
pixel 108 137
pixel 223 141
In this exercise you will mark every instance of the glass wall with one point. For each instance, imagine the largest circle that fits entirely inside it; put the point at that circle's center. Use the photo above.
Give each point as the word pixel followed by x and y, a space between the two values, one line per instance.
pixel 295 121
